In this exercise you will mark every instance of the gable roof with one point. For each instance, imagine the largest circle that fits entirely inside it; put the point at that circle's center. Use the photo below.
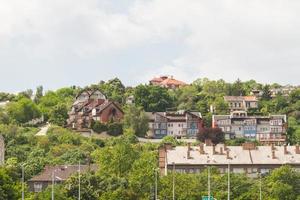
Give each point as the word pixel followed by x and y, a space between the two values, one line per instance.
pixel 172 81
pixel 62 172
pixel 240 98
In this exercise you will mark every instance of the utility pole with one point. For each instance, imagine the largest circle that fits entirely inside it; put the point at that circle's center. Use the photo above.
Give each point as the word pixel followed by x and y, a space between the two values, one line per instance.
pixel 155 184
pixel 208 181
pixel 228 184
pixel 79 166
pixel 260 186
pixel 23 194
pixel 52 192
pixel 173 181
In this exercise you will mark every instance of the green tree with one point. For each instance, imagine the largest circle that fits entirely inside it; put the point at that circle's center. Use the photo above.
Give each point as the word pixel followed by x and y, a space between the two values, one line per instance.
pixel 266 95
pixel 142 175
pixel 8 188
pixel 38 94
pixel 152 98
pixel 136 119
pixel 23 110
pixel 59 114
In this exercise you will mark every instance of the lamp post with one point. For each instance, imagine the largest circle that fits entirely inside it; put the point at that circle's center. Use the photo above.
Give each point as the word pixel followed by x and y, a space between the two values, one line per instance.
pixel 79 169
pixel 173 181
pixel 208 181
pixel 156 181
pixel 52 189
pixel 228 179
pixel 260 186
pixel 23 193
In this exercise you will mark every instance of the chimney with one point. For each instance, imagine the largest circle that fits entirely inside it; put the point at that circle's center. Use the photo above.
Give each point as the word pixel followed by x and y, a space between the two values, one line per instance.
pixel 208 142
pixel 273 154
pixel 189 151
pixel 214 149
pixel 285 150
pixel 201 148
pixel 168 146
pixel 227 154
pixel 249 146
pixel 189 146
pixel 297 150
pixel 221 151
pixel 273 147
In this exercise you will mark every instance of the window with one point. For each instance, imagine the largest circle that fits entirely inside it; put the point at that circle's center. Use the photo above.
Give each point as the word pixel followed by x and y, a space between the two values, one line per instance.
pixel 37 187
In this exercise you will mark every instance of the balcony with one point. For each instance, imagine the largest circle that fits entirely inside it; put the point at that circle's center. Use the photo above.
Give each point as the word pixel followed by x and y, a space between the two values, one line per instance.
pixel 281 138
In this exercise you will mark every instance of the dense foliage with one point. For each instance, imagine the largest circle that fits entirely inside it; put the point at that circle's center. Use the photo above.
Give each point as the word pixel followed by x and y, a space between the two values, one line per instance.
pixel 127 168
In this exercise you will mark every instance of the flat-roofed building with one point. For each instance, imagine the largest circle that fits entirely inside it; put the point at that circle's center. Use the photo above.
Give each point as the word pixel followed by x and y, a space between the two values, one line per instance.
pixel 249 159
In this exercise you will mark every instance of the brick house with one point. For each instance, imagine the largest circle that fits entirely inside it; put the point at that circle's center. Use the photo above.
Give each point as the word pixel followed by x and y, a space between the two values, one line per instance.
pixel 93 105
pixel 265 129
pixel 57 173
pixel 178 124
pixel 248 159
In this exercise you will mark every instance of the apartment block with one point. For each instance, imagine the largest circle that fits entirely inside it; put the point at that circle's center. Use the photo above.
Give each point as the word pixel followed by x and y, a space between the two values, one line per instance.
pixel 248 159
pixel 265 129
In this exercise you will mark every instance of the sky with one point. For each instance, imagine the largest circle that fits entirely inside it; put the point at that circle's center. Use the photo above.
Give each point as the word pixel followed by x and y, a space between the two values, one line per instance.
pixel 58 43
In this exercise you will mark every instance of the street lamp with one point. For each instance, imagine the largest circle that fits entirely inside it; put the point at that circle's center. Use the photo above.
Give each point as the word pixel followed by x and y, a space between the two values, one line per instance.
pixel 79 169
pixel 156 180
pixel 260 186
pixel 23 179
pixel 228 179
pixel 173 181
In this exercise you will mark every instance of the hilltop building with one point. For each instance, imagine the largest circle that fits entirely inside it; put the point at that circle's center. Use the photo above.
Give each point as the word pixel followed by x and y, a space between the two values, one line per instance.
pixel 248 159
pixel 237 103
pixel 265 129
pixel 93 105
pixel 284 90
pixel 57 173
pixel 167 82
pixel 178 124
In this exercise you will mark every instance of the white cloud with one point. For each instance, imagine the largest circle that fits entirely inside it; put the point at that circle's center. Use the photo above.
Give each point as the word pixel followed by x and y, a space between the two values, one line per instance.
pixel 218 39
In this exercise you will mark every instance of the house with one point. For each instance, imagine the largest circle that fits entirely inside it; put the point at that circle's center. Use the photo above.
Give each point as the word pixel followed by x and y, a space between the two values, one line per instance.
pixel 241 102
pixel 167 82
pixel 178 124
pixel 248 158
pixel 265 129
pixel 58 174
pixel 284 90
pixel 93 106
pixel 2 150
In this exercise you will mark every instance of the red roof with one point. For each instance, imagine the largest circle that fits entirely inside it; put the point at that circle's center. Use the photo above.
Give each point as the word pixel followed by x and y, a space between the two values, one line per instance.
pixel 172 81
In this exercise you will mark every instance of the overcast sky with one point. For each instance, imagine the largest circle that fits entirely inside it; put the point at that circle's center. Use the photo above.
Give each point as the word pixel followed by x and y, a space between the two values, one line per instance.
pixel 58 43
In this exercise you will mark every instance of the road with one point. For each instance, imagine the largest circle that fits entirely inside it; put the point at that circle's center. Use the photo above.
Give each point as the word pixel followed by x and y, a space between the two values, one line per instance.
pixel 43 130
